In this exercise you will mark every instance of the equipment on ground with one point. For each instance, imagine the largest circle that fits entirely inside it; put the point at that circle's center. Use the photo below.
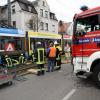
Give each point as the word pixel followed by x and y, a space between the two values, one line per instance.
pixel 37 71
pixel 5 77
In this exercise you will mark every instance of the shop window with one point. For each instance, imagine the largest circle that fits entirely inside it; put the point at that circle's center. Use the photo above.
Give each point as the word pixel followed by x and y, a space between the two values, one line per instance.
pixel 17 42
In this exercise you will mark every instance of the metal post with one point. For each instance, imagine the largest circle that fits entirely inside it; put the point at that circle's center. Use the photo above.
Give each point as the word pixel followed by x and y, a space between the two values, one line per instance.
pixel 62 43
pixel 9 12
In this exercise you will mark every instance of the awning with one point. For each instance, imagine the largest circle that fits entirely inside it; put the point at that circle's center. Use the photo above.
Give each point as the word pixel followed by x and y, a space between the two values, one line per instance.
pixel 44 35
pixel 11 32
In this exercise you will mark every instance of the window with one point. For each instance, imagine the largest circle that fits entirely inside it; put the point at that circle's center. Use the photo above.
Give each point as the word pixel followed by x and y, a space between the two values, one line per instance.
pixel 46 26
pixel 18 43
pixel 88 24
pixel 13 6
pixel 46 14
pixel 13 10
pixel 41 12
pixel 53 28
pixel 30 8
pixel 42 26
pixel 14 24
pixel 43 3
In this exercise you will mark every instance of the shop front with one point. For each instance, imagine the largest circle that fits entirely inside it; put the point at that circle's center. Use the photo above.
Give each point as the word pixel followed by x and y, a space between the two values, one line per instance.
pixel 11 41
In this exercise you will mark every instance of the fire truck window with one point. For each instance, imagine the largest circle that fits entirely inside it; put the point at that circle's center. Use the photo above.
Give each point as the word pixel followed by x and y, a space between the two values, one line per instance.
pixel 88 24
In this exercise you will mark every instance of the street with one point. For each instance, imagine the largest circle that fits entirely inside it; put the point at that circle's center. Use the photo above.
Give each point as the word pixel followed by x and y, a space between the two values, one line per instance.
pixel 58 85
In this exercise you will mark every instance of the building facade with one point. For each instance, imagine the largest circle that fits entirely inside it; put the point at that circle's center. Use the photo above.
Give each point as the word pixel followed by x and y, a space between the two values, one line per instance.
pixel 47 20
pixel 35 16
pixel 21 13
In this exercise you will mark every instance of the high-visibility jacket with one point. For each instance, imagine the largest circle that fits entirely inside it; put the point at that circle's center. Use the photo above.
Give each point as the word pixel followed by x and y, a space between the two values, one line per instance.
pixel 39 55
pixel 9 62
pixel 58 55
pixel 60 49
pixel 21 59
pixel 52 52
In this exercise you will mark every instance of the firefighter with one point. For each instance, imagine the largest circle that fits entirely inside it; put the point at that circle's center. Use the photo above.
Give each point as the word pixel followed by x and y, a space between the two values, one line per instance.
pixel 10 65
pixel 21 59
pixel 58 54
pixel 39 55
pixel 8 62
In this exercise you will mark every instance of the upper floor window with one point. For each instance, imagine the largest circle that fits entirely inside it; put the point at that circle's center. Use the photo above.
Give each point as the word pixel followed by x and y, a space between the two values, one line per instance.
pixel 46 26
pixel 42 26
pixel 43 4
pixel 13 9
pixel 41 12
pixel 30 8
pixel 46 14
pixel 53 28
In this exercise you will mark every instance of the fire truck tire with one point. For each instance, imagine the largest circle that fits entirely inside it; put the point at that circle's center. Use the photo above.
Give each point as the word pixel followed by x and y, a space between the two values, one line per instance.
pixel 96 75
pixel 10 83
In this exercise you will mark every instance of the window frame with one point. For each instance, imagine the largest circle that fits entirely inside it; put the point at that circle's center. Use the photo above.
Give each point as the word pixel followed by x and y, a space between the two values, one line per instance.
pixel 41 12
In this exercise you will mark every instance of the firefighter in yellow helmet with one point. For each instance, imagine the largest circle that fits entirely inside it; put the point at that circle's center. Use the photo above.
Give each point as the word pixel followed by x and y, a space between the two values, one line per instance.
pixel 58 54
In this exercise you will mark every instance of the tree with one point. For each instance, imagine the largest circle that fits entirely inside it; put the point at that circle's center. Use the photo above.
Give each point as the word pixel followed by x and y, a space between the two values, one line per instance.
pixel 34 23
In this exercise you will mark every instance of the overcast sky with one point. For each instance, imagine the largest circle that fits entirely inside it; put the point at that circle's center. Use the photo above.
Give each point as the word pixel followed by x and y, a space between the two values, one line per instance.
pixel 65 9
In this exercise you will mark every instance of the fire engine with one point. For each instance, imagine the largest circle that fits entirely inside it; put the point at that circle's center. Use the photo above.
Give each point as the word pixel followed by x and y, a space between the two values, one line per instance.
pixel 86 44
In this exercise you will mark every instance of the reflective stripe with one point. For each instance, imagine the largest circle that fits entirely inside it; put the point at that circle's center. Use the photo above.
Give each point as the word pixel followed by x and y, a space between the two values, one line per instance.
pixel 9 62
pixel 59 48
pixel 21 59
pixel 58 58
pixel 33 58
pixel 39 58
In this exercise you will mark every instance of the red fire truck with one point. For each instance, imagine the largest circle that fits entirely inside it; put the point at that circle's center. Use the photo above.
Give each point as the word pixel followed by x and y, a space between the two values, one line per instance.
pixel 86 44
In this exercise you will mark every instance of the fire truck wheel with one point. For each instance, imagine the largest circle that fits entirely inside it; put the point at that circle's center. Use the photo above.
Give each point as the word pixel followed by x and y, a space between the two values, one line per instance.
pixel 10 83
pixel 96 75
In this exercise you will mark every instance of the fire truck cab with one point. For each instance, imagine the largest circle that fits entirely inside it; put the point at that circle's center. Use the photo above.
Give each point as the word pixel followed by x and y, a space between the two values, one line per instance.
pixel 86 44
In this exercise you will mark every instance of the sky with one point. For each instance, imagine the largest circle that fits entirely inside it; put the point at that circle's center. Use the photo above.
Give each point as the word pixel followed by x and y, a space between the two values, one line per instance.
pixel 65 9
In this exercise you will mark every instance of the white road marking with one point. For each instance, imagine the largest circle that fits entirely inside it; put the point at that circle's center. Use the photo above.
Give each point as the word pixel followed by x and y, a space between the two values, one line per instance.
pixel 69 94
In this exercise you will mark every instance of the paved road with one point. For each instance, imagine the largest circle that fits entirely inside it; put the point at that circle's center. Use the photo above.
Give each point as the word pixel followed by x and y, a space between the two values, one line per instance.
pixel 59 85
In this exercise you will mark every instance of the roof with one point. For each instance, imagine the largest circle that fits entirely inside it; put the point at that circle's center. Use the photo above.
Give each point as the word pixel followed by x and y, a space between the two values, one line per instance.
pixel 89 12
pixel 24 5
